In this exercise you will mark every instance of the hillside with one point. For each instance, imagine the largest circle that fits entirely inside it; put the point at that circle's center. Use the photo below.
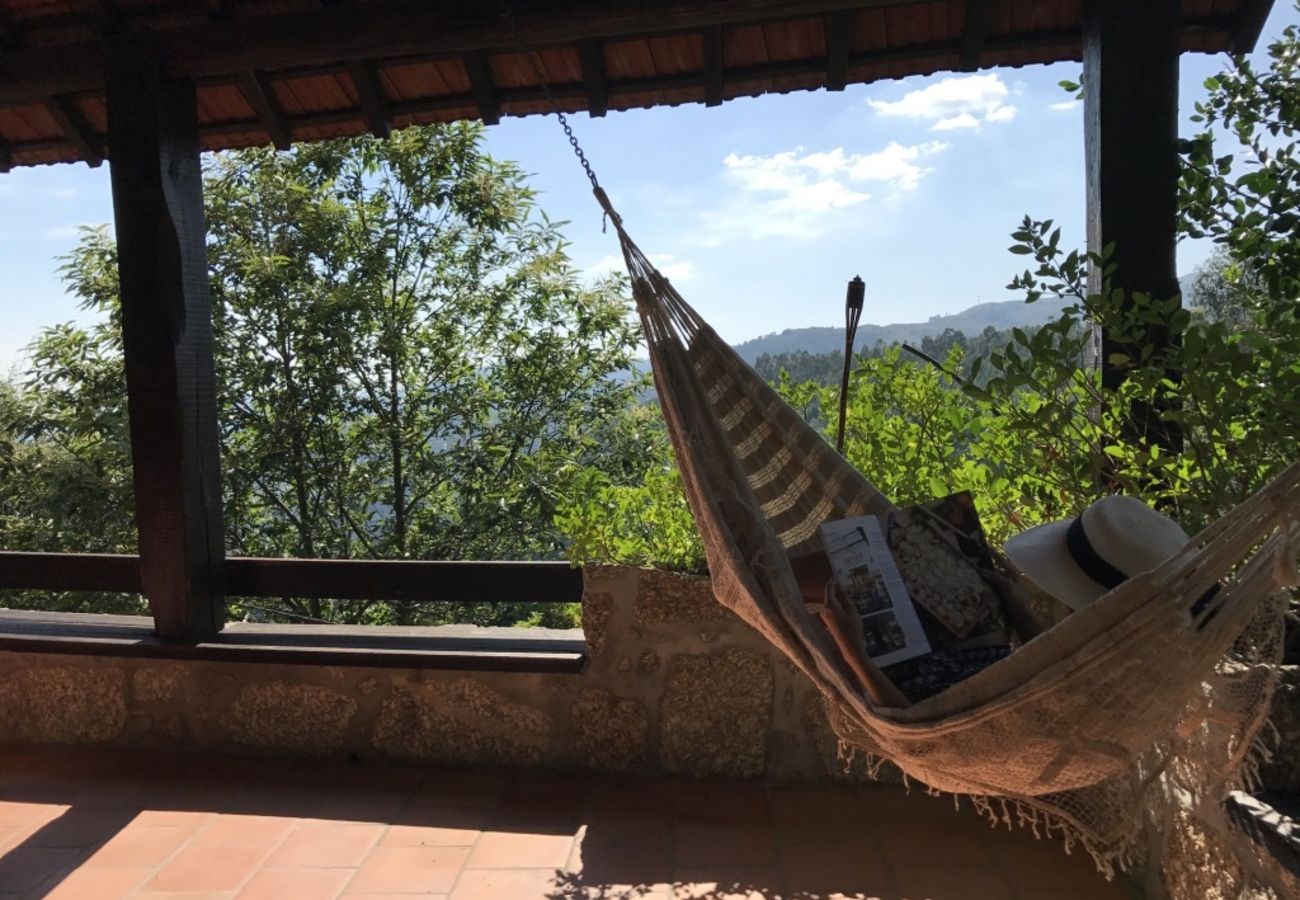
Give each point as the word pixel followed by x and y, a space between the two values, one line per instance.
pixel 971 322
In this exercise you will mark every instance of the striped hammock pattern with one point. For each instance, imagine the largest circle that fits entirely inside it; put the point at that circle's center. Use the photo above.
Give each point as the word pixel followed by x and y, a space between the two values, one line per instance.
pixel 1136 707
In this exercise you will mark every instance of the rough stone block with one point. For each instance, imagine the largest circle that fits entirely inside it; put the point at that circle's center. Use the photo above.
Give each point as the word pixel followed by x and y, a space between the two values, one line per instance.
pixel 157 683
pixel 597 607
pixel 463 721
pixel 664 597
pixel 304 718
pixel 609 732
pixel 62 704
pixel 715 714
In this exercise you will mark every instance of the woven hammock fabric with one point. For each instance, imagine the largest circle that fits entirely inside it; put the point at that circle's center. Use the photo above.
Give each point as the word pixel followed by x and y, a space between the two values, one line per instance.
pixel 1129 708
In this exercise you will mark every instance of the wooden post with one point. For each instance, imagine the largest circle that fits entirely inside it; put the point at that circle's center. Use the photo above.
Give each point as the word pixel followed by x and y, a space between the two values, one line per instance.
pixel 1130 72
pixel 153 139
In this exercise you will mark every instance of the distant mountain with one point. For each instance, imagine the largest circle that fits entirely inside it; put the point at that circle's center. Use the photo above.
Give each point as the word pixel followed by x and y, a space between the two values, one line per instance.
pixel 972 321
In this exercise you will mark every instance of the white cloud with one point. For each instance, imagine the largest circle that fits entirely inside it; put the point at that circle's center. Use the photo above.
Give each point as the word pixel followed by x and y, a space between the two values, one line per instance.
pixel 1065 106
pixel 798 195
pixel 673 269
pixel 1004 113
pixel 961 120
pixel 958 101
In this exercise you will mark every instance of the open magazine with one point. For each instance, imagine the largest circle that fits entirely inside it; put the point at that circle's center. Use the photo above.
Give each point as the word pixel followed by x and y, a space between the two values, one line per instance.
pixel 866 574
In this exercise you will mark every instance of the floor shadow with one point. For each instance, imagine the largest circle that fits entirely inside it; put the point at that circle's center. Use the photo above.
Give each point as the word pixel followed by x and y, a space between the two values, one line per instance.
pixel 618 838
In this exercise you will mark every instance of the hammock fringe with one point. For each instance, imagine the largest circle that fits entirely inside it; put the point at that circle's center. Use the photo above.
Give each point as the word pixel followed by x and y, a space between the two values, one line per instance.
pixel 1134 712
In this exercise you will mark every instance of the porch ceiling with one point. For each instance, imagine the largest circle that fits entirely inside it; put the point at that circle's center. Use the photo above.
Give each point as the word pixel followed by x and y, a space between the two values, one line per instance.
pixel 277 71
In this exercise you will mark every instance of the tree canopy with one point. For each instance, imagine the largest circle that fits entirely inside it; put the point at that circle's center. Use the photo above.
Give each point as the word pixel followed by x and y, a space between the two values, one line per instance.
pixel 408 367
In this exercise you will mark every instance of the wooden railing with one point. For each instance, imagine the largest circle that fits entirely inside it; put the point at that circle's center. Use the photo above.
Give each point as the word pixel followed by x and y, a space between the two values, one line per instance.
pixel 339 579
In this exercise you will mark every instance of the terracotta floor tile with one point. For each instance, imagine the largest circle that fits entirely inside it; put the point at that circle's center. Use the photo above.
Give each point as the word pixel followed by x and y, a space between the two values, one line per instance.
pixel 376 776
pixel 164 818
pixel 499 884
pixel 140 847
pixel 644 860
pixel 449 787
pixel 569 837
pixel 210 869
pixel 19 814
pixel 724 845
pixel 917 844
pixel 82 828
pixel 951 882
pixel 98 884
pixel 705 803
pixel 24 867
pixel 833 868
pixel 727 884
pixel 295 884
pixel 520 850
pixel 818 816
pixel 245 831
pixel 327 844
pixel 440 831
pixel 409 869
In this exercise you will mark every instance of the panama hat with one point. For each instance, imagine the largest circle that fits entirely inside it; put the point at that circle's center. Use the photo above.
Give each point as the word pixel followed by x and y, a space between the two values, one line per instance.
pixel 1079 560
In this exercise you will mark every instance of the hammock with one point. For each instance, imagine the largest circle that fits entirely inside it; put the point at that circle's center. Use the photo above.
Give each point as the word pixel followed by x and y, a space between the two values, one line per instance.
pixel 1142 693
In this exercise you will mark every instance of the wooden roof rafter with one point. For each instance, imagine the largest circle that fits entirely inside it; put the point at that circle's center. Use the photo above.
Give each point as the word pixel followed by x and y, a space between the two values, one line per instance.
pixel 410 62
pixel 714 78
pixel 592 55
pixel 260 94
pixel 838 31
pixel 11 33
pixel 104 17
pixel 76 130
pixel 974 32
pixel 479 71
pixel 374 106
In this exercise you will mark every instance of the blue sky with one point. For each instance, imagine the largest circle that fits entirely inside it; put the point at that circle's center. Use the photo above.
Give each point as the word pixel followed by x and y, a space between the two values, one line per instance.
pixel 759 210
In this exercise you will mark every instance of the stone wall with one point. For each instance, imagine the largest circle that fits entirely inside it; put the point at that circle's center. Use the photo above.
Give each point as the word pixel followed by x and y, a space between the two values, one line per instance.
pixel 675 684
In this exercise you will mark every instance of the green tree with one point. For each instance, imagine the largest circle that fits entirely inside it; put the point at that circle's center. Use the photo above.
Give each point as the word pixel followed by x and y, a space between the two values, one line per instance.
pixel 408 366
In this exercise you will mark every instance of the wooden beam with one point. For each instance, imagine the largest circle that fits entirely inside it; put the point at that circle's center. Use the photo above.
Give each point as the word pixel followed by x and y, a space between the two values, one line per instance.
pixel 838 31
pixel 6 157
pixel 289 40
pixel 222 10
pixel 1130 110
pixel 103 16
pixel 75 128
pixel 260 94
pixel 110 572
pixel 11 33
pixel 370 91
pixel 359 579
pixel 592 54
pixel 480 79
pixel 157 179
pixel 714 76
pixel 974 32
pixel 457 647
pixel 738 74
pixel 1251 16
pixel 335 579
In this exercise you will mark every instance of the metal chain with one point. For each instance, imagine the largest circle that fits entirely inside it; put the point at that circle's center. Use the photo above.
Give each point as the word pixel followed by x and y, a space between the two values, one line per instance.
pixel 545 85
pixel 536 60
